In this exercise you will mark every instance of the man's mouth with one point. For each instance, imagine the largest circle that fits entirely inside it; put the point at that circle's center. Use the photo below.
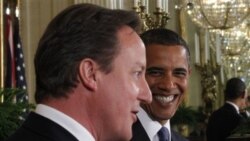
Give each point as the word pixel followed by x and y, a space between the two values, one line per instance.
pixel 164 99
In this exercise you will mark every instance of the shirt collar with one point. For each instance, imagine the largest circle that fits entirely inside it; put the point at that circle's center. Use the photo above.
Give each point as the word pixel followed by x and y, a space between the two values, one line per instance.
pixel 234 105
pixel 150 126
pixel 71 125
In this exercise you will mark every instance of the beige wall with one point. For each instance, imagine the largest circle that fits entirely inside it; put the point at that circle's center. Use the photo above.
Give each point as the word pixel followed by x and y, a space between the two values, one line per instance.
pixel 35 15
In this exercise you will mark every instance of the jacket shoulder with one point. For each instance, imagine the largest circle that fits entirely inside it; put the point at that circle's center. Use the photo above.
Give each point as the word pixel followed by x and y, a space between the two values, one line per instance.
pixel 177 137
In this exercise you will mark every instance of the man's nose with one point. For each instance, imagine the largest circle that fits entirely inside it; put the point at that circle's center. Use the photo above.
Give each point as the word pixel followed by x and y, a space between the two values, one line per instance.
pixel 145 95
pixel 167 82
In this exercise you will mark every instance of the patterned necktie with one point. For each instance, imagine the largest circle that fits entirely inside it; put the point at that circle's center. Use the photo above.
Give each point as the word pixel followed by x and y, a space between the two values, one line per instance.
pixel 163 134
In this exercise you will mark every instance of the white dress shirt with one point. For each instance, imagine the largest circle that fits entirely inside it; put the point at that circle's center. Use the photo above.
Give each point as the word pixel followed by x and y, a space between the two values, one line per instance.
pixel 72 126
pixel 151 127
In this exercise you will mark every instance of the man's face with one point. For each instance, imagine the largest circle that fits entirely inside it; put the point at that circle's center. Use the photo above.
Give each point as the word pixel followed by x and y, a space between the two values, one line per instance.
pixel 167 76
pixel 245 102
pixel 122 90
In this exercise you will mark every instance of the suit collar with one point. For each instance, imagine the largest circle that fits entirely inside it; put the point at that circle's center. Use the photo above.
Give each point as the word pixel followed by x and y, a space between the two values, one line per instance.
pixel 151 127
pixel 68 123
pixel 139 133
pixel 233 105
pixel 46 128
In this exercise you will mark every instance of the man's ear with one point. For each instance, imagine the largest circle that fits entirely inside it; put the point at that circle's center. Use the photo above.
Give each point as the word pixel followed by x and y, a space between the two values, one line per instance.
pixel 87 73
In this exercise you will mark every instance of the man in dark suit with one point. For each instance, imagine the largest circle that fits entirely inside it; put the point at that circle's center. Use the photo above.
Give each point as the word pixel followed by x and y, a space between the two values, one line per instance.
pixel 167 74
pixel 223 121
pixel 90 79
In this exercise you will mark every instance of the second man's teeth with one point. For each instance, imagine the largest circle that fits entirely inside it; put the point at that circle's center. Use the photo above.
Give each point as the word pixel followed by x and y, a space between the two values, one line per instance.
pixel 165 99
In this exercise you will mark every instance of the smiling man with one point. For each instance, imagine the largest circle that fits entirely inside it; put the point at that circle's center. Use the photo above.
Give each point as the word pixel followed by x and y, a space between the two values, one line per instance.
pixel 167 74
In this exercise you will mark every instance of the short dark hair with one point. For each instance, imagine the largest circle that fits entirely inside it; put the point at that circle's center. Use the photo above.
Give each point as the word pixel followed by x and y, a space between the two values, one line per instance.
pixel 80 31
pixel 235 88
pixel 166 37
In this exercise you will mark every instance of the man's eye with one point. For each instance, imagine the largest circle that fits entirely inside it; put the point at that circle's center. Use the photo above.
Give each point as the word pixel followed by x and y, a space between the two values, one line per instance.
pixel 138 73
pixel 181 73
pixel 154 73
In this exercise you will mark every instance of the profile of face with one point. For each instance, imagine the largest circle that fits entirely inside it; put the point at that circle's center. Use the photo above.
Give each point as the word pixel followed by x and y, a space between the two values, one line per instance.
pixel 245 101
pixel 122 90
pixel 248 101
pixel 167 75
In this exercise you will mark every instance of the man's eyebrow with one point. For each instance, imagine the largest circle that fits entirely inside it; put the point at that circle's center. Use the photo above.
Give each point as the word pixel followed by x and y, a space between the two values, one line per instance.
pixel 155 68
pixel 141 65
pixel 180 69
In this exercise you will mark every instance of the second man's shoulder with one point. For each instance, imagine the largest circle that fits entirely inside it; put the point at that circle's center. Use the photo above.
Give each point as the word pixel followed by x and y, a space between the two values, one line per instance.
pixel 177 137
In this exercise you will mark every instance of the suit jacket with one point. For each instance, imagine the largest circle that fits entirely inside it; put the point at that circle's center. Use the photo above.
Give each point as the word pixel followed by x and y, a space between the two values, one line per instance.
pixel 222 123
pixel 39 128
pixel 139 133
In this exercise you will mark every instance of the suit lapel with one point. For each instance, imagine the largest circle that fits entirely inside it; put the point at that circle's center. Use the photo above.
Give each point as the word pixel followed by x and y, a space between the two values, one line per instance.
pixel 139 133
pixel 176 136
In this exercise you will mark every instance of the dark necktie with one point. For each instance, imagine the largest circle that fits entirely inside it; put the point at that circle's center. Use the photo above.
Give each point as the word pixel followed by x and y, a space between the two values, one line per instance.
pixel 163 134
